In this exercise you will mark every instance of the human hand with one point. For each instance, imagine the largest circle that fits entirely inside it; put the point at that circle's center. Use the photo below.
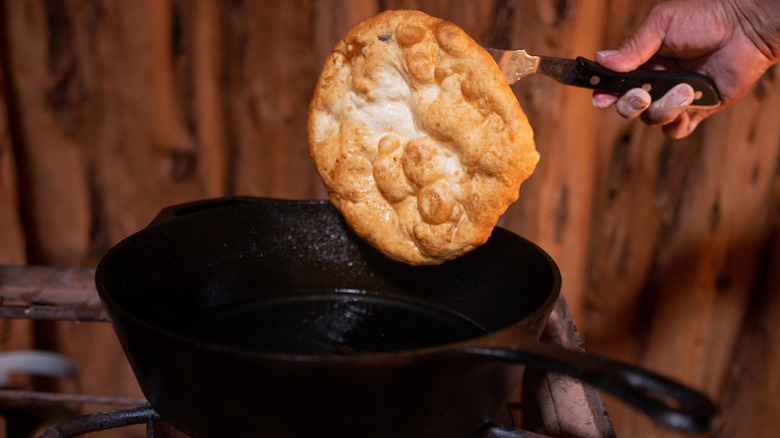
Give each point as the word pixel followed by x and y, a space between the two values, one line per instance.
pixel 732 41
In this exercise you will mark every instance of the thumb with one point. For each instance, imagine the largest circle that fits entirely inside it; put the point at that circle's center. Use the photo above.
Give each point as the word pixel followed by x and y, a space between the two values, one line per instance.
pixel 639 47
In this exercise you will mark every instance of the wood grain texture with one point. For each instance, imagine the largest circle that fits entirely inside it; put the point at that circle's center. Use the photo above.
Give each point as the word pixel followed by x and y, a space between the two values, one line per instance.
pixel 112 110
pixel 751 397
pixel 14 334
pixel 12 242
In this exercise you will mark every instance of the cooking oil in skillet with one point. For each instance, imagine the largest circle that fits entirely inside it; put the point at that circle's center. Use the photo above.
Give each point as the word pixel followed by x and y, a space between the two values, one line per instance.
pixel 329 322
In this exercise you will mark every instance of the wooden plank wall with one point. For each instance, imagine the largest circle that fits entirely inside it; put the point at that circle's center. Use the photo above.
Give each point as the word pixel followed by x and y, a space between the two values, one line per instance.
pixel 111 110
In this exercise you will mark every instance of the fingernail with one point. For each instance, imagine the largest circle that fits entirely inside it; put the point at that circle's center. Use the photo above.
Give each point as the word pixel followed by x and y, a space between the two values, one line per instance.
pixel 606 53
pixel 637 103
pixel 683 98
pixel 602 101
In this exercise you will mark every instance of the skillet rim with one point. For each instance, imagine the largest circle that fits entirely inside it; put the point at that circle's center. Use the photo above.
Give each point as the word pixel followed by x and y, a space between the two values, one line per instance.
pixel 117 312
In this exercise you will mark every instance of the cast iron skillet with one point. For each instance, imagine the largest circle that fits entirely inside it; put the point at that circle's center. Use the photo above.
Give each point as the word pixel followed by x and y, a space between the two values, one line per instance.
pixel 260 317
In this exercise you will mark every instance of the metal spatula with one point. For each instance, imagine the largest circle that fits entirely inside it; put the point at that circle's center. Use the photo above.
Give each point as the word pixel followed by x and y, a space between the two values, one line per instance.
pixel 580 72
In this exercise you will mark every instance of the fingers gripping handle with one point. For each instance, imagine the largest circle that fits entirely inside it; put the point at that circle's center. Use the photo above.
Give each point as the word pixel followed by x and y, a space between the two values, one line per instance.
pixel 589 74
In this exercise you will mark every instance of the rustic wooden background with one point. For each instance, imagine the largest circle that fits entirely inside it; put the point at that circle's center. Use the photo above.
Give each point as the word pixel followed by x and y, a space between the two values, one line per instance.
pixel 111 110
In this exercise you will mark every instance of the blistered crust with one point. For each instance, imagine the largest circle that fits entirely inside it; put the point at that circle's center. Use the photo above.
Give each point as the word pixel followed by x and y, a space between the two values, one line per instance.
pixel 417 136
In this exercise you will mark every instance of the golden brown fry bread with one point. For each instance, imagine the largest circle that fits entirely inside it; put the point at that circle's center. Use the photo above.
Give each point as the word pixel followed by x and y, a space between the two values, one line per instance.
pixel 417 136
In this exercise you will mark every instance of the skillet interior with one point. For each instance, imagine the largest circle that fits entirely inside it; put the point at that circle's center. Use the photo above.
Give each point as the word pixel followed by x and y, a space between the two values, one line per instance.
pixel 290 277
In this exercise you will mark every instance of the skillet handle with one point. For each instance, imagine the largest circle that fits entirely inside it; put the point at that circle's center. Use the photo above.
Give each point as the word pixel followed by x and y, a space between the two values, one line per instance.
pixel 666 401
